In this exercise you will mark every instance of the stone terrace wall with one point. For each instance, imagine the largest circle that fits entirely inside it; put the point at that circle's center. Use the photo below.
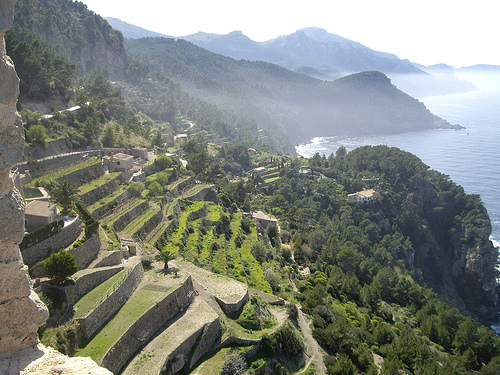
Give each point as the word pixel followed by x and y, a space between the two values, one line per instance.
pixel 87 281
pixel 126 218
pixel 113 258
pixel 61 240
pixel 87 252
pixel 41 167
pixel 210 337
pixel 107 208
pixel 84 175
pixel 90 324
pixel 100 192
pixel 146 325
pixel 232 306
pixel 149 225
pixel 206 194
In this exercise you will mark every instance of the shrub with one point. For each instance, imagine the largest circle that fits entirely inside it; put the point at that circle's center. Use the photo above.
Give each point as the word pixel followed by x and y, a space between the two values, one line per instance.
pixel 290 340
pixel 146 261
pixel 60 265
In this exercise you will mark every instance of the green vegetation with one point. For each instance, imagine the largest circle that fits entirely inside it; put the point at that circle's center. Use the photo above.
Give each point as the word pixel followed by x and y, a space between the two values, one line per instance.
pixel 46 179
pixel 99 182
pixel 138 303
pixel 59 266
pixel 92 299
pixel 64 193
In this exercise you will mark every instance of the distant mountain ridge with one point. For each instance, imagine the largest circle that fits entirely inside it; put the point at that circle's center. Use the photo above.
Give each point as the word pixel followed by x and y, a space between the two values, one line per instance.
pixel 131 31
pixel 308 47
pixel 322 55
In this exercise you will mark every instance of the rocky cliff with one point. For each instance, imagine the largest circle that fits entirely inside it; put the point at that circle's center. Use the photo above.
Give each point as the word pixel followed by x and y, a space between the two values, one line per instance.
pixel 21 311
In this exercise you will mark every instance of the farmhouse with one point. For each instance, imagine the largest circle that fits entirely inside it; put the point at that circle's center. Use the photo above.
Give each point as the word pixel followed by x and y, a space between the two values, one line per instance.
pixel 363 197
pixel 39 213
pixel 118 162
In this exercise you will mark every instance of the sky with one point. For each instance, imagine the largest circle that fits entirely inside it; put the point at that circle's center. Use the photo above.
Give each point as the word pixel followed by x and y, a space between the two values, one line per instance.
pixel 457 33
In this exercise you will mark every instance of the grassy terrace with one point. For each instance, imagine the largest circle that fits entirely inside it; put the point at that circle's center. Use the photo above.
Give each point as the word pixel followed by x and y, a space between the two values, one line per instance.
pixel 126 206
pixel 153 288
pixel 92 299
pixel 65 171
pixel 108 198
pixel 138 223
pixel 99 182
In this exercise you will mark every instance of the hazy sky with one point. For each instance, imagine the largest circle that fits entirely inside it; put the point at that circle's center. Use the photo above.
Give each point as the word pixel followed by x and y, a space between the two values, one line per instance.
pixel 458 33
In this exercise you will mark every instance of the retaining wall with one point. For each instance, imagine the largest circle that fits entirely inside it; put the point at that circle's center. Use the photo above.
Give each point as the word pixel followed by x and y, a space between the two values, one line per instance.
pixel 84 175
pixel 100 192
pixel 111 206
pixel 149 225
pixel 87 252
pixel 206 194
pixel 232 306
pixel 53 244
pixel 140 332
pixel 210 338
pixel 112 259
pixel 87 281
pixel 130 215
pixel 90 324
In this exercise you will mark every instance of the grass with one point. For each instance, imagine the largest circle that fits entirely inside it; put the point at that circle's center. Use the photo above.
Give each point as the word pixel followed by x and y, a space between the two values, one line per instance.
pixel 139 222
pixel 92 299
pixel 65 171
pixel 271 179
pixel 108 198
pixel 140 301
pixel 99 182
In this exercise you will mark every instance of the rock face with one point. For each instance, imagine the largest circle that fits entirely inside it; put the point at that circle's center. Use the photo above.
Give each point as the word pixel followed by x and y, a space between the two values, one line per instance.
pixel 19 305
pixel 21 311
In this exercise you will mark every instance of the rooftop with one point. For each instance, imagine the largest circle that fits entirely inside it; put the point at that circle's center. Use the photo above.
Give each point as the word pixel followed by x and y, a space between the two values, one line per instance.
pixel 121 156
pixel 40 208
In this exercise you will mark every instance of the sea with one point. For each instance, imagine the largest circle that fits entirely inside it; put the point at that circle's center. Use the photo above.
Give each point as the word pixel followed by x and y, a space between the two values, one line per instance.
pixel 470 157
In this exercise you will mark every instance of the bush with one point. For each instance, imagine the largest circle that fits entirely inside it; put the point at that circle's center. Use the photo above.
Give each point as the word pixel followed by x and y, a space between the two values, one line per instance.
pixel 146 262
pixel 60 265
pixel 290 340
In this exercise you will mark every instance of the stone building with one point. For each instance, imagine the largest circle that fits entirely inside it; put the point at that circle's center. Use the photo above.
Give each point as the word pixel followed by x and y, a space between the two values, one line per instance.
pixel 39 213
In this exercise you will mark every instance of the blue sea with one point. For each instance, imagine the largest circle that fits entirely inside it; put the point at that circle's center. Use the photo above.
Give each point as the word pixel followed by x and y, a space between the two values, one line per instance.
pixel 470 156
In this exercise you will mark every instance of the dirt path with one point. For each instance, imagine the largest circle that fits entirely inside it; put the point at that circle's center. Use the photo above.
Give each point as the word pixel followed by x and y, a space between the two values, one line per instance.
pixel 313 350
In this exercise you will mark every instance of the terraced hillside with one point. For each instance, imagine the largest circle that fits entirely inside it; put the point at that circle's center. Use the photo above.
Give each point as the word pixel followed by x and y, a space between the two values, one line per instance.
pixel 149 320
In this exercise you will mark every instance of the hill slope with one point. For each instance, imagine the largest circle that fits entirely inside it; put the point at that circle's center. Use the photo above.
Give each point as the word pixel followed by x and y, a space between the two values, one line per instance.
pixel 284 101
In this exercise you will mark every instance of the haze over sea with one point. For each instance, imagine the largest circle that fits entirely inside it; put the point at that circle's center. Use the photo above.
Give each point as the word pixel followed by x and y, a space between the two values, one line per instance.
pixel 469 156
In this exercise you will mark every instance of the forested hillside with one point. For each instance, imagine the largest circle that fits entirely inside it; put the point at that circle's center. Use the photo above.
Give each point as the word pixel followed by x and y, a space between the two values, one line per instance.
pixel 282 101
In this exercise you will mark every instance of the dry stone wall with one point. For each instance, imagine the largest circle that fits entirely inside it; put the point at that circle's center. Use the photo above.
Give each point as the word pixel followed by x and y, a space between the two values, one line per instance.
pixel 53 244
pixel 126 218
pixel 84 175
pixel 149 225
pixel 146 325
pixel 90 324
pixel 100 192
pixel 109 208
pixel 87 252
pixel 85 282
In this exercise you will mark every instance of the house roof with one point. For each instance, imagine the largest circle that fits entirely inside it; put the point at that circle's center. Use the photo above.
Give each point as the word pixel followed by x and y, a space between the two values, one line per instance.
pixel 41 208
pixel 364 193
pixel 121 156
pixel 262 216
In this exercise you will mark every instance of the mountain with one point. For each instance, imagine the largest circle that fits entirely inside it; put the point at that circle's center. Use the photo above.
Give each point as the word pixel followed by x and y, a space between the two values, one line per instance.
pixel 293 106
pixel 131 31
pixel 309 47
pixel 73 30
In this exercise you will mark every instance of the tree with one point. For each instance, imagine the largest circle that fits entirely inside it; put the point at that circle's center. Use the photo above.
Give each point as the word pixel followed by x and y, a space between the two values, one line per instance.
pixel 155 189
pixel 165 256
pixel 37 135
pixel 64 193
pixel 60 265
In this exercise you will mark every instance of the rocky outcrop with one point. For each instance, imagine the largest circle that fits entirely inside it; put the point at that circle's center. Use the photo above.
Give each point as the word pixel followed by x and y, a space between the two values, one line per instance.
pixel 21 311
pixel 19 305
